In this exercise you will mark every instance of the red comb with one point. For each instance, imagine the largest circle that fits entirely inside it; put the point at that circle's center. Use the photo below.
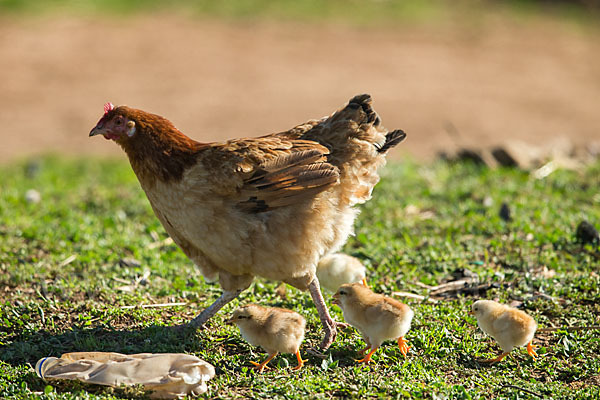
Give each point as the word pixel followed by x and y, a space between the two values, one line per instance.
pixel 108 107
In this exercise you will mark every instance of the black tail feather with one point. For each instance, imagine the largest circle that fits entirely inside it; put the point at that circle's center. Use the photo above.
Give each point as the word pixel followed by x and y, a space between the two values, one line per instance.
pixel 392 139
pixel 364 101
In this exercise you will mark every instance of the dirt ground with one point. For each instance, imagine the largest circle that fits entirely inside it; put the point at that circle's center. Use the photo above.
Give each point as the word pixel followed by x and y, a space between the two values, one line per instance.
pixel 477 84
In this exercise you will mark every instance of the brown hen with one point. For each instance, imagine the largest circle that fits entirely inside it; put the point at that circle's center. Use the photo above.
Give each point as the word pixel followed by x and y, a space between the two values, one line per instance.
pixel 270 206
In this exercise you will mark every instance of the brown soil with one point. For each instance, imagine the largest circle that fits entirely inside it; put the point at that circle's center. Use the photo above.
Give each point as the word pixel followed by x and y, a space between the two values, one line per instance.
pixel 487 83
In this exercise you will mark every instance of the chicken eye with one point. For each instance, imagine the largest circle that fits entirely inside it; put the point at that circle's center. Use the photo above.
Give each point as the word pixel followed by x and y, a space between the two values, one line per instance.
pixel 118 121
pixel 241 317
pixel 342 292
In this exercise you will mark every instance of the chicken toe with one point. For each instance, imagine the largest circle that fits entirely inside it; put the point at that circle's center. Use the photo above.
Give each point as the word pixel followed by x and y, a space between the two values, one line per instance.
pixel 300 361
pixel 263 365
pixel 531 350
pixel 494 360
pixel 367 358
pixel 403 345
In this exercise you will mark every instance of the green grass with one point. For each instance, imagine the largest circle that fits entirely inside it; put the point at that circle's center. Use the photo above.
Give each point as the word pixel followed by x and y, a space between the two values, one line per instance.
pixel 424 223
pixel 358 12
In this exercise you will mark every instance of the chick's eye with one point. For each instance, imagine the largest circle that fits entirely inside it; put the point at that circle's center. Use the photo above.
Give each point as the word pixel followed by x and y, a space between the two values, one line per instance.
pixel 342 292
pixel 118 121
pixel 241 317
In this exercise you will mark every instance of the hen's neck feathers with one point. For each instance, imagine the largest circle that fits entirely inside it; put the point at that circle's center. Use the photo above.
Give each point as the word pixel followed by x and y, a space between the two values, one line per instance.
pixel 159 151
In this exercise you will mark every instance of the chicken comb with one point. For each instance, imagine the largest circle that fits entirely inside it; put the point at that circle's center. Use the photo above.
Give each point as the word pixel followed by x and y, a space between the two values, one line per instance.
pixel 108 107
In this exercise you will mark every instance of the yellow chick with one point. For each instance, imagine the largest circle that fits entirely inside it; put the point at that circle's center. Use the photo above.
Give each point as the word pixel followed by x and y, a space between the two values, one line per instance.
pixel 508 326
pixel 336 269
pixel 274 329
pixel 376 317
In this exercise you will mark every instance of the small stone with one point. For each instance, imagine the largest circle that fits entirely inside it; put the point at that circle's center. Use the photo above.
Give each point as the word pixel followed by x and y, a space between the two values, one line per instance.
pixel 529 237
pixel 504 212
pixel 33 196
pixel 130 262
pixel 488 201
pixel 586 233
pixel 32 169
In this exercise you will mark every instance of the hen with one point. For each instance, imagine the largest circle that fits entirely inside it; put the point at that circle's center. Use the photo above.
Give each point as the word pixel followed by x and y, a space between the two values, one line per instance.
pixel 270 206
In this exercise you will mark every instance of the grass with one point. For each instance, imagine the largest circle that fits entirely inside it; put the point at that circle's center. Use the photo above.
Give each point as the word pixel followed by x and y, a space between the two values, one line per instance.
pixel 425 223
pixel 357 12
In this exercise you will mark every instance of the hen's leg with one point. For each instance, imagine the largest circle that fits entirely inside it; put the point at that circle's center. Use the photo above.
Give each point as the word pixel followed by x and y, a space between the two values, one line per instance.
pixel 328 323
pixel 208 313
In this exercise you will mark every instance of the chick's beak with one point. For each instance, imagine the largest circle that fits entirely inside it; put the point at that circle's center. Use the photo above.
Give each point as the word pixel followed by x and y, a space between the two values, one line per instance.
pixel 335 299
pixel 471 312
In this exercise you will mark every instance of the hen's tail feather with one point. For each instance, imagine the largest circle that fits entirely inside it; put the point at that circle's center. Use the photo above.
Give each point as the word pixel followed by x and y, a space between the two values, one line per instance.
pixel 391 140
pixel 364 101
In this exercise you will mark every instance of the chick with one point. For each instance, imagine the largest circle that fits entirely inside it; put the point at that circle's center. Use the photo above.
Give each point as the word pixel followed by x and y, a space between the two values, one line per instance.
pixel 274 329
pixel 376 317
pixel 508 326
pixel 336 269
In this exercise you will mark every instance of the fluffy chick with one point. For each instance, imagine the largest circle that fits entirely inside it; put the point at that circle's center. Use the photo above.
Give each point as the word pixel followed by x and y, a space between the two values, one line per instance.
pixel 508 326
pixel 336 269
pixel 276 330
pixel 376 317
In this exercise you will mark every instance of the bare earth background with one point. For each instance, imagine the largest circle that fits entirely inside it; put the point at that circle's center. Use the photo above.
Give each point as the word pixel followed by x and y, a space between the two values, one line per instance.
pixel 490 82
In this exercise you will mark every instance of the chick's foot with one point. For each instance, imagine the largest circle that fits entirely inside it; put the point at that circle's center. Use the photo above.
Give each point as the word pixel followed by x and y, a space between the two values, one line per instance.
pixel 531 350
pixel 494 360
pixel 300 361
pixel 263 365
pixel 367 359
pixel 403 345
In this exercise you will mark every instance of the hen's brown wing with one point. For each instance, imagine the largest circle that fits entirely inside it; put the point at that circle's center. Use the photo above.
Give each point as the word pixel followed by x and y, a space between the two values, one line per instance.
pixel 270 172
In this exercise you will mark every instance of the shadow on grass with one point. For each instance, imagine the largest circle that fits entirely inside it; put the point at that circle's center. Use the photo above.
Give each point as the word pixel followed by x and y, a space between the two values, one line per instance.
pixel 31 346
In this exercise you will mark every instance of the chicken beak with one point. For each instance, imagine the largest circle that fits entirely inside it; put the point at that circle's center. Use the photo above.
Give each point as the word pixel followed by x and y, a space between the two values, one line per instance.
pixel 471 313
pixel 335 300
pixel 97 131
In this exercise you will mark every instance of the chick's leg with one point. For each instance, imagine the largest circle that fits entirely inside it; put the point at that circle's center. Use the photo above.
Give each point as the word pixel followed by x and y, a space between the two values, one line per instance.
pixel 363 351
pixel 404 347
pixel 368 357
pixel 300 361
pixel 367 341
pixel 364 282
pixel 531 351
pixel 208 313
pixel 263 365
pixel 494 360
pixel 328 323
